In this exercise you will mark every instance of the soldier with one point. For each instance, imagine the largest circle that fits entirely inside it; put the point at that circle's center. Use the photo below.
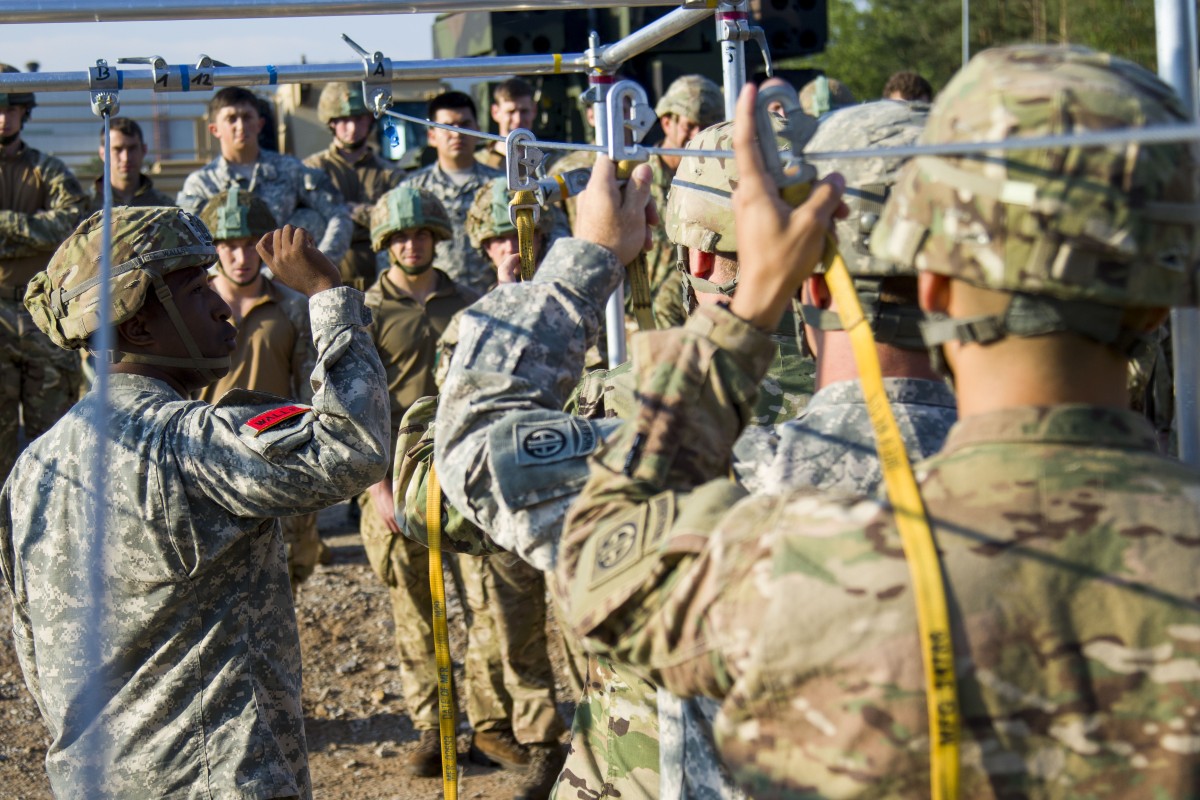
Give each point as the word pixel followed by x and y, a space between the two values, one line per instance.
pixel 1064 538
pixel 822 95
pixel 130 187
pixel 274 351
pixel 296 194
pixel 512 107
pixel 908 85
pixel 356 171
pixel 454 179
pixel 198 689
pixel 40 202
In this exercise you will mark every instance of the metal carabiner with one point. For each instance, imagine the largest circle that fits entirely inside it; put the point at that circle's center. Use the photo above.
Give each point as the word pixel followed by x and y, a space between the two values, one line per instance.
pixel 628 111
pixel 792 174
pixel 377 78
pixel 521 163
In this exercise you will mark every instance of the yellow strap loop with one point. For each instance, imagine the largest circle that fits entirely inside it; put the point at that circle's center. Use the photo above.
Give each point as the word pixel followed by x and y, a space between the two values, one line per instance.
pixel 639 277
pixel 933 613
pixel 441 637
pixel 526 230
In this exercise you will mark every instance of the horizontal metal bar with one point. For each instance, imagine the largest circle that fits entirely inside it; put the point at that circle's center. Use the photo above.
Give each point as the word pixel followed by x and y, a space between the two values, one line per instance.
pixel 133 10
pixel 614 55
pixel 268 75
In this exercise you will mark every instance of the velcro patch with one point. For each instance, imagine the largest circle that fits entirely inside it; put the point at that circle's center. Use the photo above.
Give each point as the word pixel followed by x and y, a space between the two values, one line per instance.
pixel 269 419
pixel 553 440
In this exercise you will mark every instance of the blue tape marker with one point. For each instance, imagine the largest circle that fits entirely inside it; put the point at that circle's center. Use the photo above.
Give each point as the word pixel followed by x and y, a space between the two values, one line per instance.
pixel 274 76
pixel 183 78
pixel 120 79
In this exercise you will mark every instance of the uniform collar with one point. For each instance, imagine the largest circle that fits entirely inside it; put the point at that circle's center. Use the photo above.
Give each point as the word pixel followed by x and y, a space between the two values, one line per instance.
pixel 445 287
pixel 1074 424
pixel 905 391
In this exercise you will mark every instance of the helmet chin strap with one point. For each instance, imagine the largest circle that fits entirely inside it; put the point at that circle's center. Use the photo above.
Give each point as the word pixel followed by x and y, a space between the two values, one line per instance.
pixel 211 369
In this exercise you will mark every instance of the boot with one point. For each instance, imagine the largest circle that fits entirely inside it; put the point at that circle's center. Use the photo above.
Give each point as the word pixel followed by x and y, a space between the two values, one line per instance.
pixel 499 747
pixel 545 763
pixel 425 761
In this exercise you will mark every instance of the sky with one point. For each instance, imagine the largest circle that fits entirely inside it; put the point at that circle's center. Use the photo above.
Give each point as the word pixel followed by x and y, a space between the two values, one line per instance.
pixel 75 46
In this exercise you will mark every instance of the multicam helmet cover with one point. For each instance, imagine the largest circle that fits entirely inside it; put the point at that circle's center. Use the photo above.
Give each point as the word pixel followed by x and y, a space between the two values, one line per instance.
pixel 340 100
pixel 8 99
pixel 1113 225
pixel 693 97
pixel 405 207
pixel 237 214
pixel 487 217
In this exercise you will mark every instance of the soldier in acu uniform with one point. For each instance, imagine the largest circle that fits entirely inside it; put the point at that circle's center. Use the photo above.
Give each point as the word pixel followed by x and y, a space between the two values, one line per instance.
pixel 356 171
pixel 512 107
pixel 1067 542
pixel 127 151
pixel 40 203
pixel 275 349
pixel 197 693
pixel 296 194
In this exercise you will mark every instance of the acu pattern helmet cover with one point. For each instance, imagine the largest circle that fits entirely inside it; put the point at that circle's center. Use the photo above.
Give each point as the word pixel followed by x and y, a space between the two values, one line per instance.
pixel 237 214
pixel 1112 225
pixel 406 207
pixel 8 99
pixel 339 100
pixel 487 217
pixel 147 243
pixel 693 97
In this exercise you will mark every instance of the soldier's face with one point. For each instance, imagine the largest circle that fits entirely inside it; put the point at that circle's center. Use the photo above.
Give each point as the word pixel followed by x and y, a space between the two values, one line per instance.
pixel 240 262
pixel 237 126
pixel 512 114
pixel 11 120
pixel 500 247
pixel 204 314
pixel 352 132
pixel 449 143
pixel 677 130
pixel 126 153
pixel 412 249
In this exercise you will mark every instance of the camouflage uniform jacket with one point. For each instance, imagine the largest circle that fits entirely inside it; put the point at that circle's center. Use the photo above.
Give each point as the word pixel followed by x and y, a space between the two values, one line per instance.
pixel 1072 574
pixel 284 184
pixel 360 183
pixel 456 257
pixel 40 203
pixel 144 195
pixel 199 692
pixel 831 444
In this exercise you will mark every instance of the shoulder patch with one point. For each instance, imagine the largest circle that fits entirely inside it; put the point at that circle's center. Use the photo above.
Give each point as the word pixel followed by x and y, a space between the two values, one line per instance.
pixel 269 419
pixel 553 440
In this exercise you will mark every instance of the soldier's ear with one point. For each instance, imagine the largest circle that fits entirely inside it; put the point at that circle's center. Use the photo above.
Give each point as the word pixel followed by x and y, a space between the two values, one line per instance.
pixel 933 292
pixel 816 292
pixel 136 331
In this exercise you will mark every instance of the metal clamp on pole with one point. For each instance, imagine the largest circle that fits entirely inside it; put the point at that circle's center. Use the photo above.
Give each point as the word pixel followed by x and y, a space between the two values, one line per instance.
pixel 377 78
pixel 629 111
pixel 180 78
pixel 733 30
pixel 793 175
pixel 105 85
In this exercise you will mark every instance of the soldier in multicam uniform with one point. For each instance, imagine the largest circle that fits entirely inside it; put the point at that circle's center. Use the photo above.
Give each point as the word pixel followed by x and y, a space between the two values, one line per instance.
pixel 512 107
pixel 40 203
pixel 296 194
pixel 823 94
pixel 691 104
pixel 274 352
pixel 356 171
pixel 454 179
pixel 127 149
pixel 1072 576
pixel 198 692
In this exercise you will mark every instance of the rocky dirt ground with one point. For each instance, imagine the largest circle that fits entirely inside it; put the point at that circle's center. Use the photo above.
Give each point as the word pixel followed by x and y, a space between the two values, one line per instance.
pixel 357 729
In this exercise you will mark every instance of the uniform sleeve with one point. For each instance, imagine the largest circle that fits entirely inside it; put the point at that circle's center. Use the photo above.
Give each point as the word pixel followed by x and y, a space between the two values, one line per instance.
pixel 43 231
pixel 305 461
pixel 507 456
pixel 194 192
pixel 322 197
pixel 304 356
pixel 639 538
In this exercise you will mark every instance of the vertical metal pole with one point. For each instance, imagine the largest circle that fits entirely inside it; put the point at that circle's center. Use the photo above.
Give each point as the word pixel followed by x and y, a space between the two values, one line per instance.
pixel 599 82
pixel 732 23
pixel 1175 29
pixel 966 31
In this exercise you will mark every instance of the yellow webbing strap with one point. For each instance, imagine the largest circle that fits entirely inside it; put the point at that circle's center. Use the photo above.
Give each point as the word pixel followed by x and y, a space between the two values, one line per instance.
pixel 525 232
pixel 441 637
pixel 639 278
pixel 933 614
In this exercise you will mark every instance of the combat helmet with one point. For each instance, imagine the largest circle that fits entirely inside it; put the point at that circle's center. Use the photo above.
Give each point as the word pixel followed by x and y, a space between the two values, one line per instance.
pixel 405 207
pixel 1076 234
pixel 693 97
pixel 8 99
pixel 487 217
pixel 340 100
pixel 237 214
pixel 148 243
pixel 823 94
pixel 881 124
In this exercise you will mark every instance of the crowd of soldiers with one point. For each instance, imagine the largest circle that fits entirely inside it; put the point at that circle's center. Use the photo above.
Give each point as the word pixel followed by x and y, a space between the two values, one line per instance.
pixel 706 521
